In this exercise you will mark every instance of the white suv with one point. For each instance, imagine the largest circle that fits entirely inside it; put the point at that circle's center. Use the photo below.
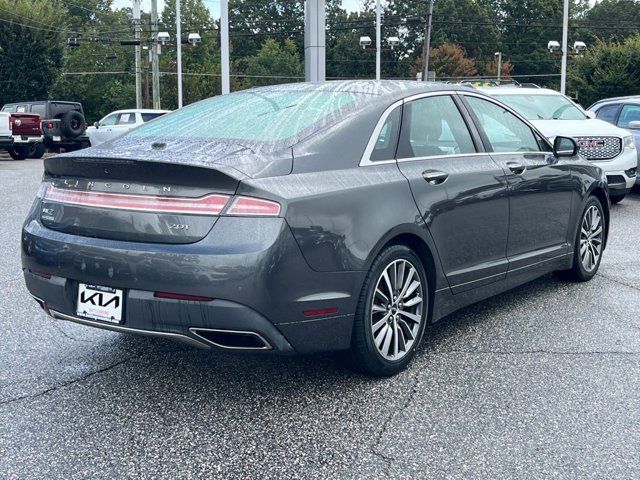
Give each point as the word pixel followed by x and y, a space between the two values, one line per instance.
pixel 120 122
pixel 611 148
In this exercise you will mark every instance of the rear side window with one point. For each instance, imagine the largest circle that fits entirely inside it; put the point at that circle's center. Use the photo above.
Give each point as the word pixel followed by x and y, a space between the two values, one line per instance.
pixel 629 113
pixel 385 147
pixel 505 131
pixel 147 117
pixel 608 113
pixel 127 118
pixel 259 116
pixel 433 126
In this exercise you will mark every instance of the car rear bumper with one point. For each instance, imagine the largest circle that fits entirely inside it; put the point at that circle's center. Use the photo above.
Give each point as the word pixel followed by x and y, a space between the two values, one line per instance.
pixel 261 286
pixel 6 142
pixel 26 139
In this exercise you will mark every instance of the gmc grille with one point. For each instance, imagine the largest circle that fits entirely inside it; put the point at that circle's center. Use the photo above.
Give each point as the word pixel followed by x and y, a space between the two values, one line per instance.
pixel 599 148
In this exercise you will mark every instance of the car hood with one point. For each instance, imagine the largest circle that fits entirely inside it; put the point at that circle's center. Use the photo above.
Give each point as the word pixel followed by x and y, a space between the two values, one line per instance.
pixel 578 128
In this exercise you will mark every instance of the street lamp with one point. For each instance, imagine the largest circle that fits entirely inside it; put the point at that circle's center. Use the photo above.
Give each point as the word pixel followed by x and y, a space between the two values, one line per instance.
pixel 498 56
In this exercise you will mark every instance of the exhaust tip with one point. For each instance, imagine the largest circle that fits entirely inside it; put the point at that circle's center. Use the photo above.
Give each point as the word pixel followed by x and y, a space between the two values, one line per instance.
pixel 232 339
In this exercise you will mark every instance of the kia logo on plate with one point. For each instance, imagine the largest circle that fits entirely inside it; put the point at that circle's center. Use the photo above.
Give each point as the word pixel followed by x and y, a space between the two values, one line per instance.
pixel 591 143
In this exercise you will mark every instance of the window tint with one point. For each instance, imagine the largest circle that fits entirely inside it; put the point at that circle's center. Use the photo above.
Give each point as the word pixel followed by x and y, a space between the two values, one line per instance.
pixel 433 126
pixel 505 131
pixel 629 113
pixel 385 147
pixel 127 118
pixel 40 109
pixel 109 120
pixel 608 113
pixel 147 117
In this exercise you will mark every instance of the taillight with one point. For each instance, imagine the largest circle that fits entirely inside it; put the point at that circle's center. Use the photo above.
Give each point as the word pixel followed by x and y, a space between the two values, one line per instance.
pixel 181 296
pixel 248 206
pixel 207 205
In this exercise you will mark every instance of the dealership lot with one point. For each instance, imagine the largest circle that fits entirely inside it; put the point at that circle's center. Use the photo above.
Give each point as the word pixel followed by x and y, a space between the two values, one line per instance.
pixel 541 382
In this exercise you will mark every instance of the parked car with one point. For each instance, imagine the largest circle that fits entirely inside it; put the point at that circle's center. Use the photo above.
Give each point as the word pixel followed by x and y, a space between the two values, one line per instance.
pixel 624 112
pixel 120 122
pixel 311 217
pixel 21 135
pixel 63 123
pixel 611 148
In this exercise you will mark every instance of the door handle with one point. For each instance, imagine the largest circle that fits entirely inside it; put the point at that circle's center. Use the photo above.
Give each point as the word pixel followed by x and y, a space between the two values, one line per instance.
pixel 435 177
pixel 516 167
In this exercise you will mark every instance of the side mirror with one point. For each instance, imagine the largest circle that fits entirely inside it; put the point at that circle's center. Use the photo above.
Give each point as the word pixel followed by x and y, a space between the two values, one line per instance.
pixel 635 125
pixel 96 124
pixel 565 147
pixel 590 114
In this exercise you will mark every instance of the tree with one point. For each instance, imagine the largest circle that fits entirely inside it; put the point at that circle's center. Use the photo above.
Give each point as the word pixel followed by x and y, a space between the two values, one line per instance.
pixel 607 70
pixel 273 60
pixel 613 20
pixel 449 61
pixel 31 48
pixel 490 69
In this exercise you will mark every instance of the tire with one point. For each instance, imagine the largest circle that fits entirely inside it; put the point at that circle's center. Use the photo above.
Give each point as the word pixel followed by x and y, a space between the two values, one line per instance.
pixel 18 152
pixel 616 198
pixel 37 150
pixel 373 351
pixel 73 124
pixel 578 271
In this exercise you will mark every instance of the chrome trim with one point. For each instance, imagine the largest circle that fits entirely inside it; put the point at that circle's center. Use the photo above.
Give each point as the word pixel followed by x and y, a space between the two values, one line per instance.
pixel 366 156
pixel 119 328
pixel 267 345
pixel 440 157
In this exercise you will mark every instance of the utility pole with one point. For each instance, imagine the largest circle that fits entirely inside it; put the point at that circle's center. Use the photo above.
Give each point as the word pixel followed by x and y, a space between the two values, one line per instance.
pixel 378 39
pixel 224 46
pixel 155 67
pixel 136 31
pixel 179 49
pixel 427 42
pixel 565 47
pixel 499 57
pixel 314 41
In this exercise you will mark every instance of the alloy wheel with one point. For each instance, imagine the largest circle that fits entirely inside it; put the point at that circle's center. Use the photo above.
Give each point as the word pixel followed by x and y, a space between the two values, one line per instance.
pixel 396 310
pixel 591 235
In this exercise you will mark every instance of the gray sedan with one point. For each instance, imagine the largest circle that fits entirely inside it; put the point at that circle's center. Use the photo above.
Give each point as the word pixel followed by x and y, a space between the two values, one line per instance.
pixel 311 217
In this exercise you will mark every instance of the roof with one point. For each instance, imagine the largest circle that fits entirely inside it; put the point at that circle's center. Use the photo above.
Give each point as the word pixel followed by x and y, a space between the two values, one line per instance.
pixel 629 98
pixel 380 89
pixel 518 91
pixel 138 110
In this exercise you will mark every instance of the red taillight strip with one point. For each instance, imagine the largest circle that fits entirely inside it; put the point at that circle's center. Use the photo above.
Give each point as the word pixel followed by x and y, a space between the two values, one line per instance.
pixel 209 204
pixel 249 206
pixel 180 296
pixel 321 311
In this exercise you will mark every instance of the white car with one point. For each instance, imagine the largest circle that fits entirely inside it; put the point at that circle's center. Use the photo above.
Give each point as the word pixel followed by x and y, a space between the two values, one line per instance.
pixel 611 148
pixel 120 122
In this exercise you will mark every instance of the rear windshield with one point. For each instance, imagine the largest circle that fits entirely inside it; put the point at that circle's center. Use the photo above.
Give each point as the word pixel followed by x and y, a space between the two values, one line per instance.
pixel 250 116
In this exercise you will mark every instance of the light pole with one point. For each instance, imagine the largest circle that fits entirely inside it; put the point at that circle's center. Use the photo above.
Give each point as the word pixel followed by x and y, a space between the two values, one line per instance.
pixel 179 51
pixel 155 67
pixel 427 42
pixel 499 57
pixel 136 27
pixel 378 39
pixel 565 47
pixel 224 45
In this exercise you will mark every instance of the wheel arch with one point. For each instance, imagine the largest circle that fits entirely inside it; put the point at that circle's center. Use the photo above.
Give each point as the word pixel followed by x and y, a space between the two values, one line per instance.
pixel 601 195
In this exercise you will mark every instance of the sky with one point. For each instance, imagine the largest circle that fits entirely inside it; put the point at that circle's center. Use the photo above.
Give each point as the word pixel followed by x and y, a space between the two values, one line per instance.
pixel 214 5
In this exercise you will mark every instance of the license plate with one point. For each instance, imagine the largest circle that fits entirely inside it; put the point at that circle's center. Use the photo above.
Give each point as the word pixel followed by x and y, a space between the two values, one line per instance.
pixel 100 303
pixel 57 139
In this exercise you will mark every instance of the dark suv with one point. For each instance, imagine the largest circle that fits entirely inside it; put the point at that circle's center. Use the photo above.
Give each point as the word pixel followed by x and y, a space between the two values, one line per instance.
pixel 63 123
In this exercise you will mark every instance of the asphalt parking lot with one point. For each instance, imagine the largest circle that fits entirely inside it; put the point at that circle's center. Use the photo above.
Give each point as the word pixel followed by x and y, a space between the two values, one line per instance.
pixel 540 382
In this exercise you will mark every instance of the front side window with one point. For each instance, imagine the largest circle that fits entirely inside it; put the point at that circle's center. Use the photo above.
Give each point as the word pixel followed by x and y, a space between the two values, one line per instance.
pixel 629 113
pixel 504 131
pixel 542 107
pixel 109 120
pixel 433 126
pixel 608 113
pixel 385 147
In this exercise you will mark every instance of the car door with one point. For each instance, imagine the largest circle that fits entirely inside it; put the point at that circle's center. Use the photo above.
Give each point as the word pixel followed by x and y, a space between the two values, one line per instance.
pixel 103 132
pixel 608 113
pixel 459 189
pixel 540 185
pixel 629 119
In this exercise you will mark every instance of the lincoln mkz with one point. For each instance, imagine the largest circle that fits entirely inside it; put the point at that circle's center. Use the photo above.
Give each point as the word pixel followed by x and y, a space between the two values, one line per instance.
pixel 311 217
